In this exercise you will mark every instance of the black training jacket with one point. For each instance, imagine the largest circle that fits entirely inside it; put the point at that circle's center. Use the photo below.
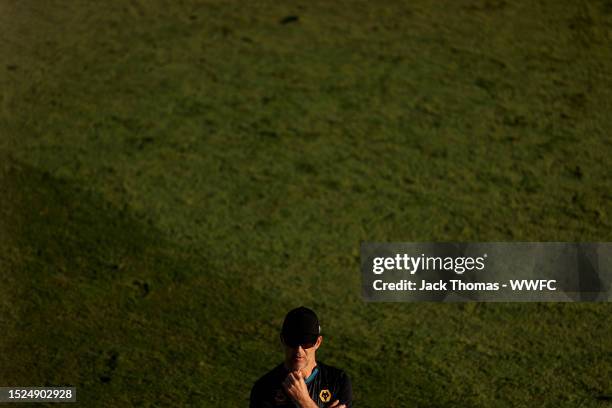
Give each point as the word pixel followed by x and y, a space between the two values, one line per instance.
pixel 325 385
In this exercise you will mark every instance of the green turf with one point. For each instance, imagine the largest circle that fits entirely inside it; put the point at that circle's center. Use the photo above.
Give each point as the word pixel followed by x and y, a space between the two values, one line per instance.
pixel 176 175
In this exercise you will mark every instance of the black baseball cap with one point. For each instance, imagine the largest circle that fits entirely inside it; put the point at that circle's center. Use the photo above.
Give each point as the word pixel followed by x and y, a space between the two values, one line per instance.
pixel 301 327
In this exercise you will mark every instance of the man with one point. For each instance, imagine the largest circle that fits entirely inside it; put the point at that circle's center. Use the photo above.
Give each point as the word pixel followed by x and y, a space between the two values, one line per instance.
pixel 301 381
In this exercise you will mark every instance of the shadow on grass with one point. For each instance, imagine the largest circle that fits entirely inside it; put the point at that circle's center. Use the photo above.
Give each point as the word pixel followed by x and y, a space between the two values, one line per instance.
pixel 95 298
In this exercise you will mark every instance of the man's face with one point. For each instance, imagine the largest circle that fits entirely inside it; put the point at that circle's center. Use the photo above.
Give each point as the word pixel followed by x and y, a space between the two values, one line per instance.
pixel 297 358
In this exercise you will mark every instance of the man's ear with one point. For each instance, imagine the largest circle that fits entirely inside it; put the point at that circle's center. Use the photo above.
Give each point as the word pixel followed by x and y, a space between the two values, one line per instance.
pixel 319 341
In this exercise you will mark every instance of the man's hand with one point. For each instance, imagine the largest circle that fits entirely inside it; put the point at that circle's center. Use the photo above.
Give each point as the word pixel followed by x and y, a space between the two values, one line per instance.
pixel 336 404
pixel 296 389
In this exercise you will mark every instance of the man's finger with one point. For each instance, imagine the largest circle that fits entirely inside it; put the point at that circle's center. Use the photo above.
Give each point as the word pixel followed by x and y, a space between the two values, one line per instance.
pixel 289 380
pixel 334 404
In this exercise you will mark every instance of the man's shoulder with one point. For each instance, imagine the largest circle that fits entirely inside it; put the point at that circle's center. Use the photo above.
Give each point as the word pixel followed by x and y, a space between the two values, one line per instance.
pixel 329 368
pixel 331 371
pixel 271 377
pixel 266 391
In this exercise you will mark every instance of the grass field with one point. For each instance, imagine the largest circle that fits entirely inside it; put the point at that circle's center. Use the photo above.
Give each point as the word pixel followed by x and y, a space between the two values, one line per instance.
pixel 177 175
